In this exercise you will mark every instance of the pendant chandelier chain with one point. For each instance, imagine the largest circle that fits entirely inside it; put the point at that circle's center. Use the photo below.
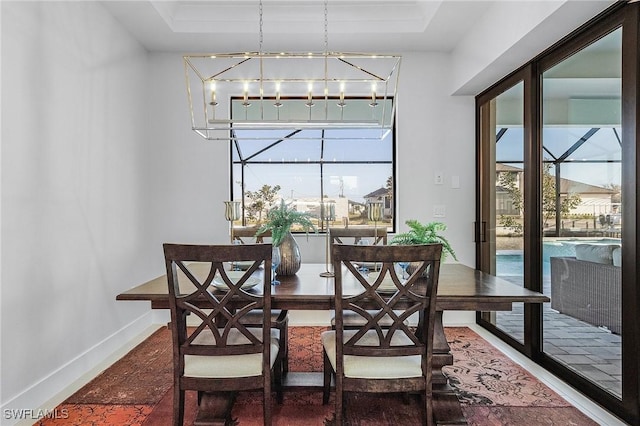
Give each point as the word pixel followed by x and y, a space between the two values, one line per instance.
pixel 326 28
pixel 261 32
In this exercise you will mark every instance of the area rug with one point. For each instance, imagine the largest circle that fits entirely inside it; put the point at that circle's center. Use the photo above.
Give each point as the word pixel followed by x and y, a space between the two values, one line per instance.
pixel 142 376
pixel 493 390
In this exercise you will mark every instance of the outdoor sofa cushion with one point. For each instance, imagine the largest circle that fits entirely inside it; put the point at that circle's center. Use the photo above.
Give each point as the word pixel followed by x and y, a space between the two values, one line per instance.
pixel 617 256
pixel 598 253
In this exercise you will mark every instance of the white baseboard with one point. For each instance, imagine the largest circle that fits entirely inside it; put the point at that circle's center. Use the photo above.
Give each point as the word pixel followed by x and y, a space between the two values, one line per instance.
pixel 30 405
pixel 309 318
pixel 458 318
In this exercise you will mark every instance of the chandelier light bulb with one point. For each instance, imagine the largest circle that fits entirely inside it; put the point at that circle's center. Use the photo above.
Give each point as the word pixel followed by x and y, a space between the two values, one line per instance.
pixel 310 96
pixel 373 96
pixel 277 104
pixel 212 86
pixel 246 102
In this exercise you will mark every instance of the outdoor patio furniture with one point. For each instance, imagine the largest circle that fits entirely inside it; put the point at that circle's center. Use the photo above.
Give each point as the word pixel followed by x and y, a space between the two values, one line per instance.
pixel 589 290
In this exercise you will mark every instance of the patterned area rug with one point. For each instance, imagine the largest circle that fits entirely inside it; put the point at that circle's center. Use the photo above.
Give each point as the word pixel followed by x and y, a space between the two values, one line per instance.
pixel 142 376
pixel 482 375
pixel 493 390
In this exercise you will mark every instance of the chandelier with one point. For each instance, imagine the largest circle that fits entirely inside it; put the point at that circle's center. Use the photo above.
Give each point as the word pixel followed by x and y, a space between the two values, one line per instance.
pixel 292 95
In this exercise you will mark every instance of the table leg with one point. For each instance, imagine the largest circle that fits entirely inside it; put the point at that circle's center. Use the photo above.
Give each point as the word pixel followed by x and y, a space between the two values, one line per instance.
pixel 446 407
pixel 214 409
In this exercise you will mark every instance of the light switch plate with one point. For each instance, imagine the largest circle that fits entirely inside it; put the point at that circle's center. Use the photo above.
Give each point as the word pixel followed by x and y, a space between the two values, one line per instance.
pixel 438 178
pixel 455 182
pixel 439 211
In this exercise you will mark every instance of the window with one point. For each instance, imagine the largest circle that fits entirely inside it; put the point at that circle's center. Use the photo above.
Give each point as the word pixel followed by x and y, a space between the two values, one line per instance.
pixel 304 167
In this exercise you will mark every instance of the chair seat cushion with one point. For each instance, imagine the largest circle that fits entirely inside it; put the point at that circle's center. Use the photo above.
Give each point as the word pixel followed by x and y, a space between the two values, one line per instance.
pixel 374 367
pixel 228 366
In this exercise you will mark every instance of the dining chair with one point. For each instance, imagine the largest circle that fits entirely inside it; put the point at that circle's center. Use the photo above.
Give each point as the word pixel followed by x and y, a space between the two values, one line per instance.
pixel 356 235
pixel 243 234
pixel 279 318
pixel 373 358
pixel 221 353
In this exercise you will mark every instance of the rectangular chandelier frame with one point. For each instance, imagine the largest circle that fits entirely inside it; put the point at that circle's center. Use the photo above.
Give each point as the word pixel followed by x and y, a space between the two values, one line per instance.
pixel 233 95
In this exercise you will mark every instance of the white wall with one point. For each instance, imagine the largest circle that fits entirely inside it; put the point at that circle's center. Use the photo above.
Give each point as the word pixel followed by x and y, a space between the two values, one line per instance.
pixel 77 193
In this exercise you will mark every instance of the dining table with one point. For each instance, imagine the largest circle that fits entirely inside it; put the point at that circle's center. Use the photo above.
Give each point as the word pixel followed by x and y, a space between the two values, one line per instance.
pixel 460 288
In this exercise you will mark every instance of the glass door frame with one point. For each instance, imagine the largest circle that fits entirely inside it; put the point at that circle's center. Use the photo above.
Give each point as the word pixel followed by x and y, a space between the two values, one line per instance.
pixel 484 210
pixel 621 15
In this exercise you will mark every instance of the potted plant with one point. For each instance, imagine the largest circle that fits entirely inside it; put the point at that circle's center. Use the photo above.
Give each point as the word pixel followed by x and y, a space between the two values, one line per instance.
pixel 279 221
pixel 425 234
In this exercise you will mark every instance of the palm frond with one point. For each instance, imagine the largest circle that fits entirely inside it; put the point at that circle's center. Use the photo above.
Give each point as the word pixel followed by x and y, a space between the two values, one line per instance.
pixel 280 219
pixel 425 234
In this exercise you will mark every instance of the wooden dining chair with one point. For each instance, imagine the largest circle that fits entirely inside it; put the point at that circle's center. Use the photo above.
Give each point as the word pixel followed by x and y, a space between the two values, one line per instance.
pixel 354 235
pixel 279 318
pixel 373 358
pixel 245 234
pixel 221 353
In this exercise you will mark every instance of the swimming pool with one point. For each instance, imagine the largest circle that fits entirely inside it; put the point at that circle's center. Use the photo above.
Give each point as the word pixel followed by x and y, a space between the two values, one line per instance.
pixel 510 262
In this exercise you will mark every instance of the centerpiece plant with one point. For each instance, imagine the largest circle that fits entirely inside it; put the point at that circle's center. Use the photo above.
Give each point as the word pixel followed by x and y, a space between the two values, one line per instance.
pixel 281 218
pixel 428 233
pixel 279 221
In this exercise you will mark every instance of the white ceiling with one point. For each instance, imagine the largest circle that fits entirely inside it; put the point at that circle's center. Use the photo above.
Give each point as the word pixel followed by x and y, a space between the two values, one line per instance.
pixel 298 25
pixel 487 39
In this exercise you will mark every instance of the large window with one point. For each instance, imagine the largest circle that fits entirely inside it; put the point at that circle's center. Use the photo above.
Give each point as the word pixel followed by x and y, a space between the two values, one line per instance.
pixel 304 167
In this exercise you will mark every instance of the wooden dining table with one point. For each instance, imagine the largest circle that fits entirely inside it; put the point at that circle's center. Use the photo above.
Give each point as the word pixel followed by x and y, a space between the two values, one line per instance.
pixel 460 288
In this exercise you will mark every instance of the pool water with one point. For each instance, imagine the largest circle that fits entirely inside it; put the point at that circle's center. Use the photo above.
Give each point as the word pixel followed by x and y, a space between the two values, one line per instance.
pixel 510 262
pixel 513 264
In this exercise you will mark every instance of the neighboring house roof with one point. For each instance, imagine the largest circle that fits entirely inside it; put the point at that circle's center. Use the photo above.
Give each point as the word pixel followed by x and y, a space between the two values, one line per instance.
pixel 571 186
pixel 506 168
pixel 377 193
pixel 566 185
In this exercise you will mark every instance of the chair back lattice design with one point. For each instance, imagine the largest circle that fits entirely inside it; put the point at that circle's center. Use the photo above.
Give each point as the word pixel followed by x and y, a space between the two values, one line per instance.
pixel 344 235
pixel 191 270
pixel 387 293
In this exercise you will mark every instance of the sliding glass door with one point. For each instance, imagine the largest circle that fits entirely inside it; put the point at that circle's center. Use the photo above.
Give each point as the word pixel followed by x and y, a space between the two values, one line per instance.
pixel 558 177
pixel 501 228
pixel 582 210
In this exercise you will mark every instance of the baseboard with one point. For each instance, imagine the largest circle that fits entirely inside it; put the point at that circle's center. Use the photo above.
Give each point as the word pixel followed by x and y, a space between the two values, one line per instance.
pixel 37 400
pixel 458 318
pixel 309 318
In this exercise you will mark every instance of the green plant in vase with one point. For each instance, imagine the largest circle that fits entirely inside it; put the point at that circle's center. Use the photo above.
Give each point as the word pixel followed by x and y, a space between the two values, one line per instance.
pixel 428 233
pixel 281 218
pixel 279 221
